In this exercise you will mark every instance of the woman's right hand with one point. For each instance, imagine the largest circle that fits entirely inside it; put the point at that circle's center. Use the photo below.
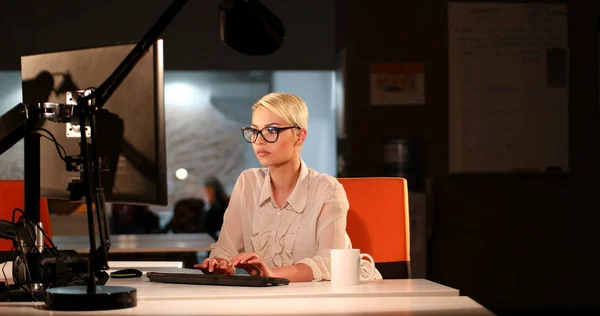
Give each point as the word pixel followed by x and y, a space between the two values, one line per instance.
pixel 215 266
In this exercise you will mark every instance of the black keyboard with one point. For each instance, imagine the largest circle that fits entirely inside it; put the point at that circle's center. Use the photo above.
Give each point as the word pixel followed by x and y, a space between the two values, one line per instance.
pixel 214 279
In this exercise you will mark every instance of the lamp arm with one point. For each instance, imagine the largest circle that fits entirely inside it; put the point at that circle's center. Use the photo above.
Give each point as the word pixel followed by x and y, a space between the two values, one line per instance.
pixel 108 87
pixel 17 123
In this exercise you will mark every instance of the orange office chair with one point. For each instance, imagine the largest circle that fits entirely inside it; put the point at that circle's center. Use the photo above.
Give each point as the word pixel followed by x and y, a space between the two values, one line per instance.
pixel 378 222
pixel 12 195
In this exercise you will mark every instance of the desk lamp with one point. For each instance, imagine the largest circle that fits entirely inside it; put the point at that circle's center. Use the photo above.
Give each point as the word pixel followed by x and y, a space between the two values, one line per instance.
pixel 246 26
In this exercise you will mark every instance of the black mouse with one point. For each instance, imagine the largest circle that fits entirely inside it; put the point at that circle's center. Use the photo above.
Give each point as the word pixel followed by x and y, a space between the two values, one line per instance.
pixel 126 273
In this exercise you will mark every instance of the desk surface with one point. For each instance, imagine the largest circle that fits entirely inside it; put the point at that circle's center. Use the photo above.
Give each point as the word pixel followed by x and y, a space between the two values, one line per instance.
pixel 140 243
pixel 445 305
pixel 147 290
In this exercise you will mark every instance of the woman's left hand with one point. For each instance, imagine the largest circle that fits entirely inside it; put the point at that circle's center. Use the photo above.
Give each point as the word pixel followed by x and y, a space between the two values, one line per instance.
pixel 253 264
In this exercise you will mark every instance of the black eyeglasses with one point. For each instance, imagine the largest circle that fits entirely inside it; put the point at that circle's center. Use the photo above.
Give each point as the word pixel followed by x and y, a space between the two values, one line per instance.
pixel 270 133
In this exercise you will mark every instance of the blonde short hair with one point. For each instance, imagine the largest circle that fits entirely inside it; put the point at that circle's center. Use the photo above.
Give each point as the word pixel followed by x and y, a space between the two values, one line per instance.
pixel 289 107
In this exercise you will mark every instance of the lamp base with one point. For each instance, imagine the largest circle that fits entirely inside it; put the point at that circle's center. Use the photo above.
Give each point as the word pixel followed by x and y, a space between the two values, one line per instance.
pixel 76 298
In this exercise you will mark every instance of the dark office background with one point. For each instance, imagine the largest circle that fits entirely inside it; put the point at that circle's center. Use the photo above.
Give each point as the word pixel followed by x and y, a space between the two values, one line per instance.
pixel 512 242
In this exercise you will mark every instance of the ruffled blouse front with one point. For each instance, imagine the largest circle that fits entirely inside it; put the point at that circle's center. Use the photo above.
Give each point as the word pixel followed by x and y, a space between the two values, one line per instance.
pixel 274 232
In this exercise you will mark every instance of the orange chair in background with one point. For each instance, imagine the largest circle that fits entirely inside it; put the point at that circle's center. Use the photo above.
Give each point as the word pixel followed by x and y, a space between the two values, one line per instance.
pixel 378 222
pixel 12 195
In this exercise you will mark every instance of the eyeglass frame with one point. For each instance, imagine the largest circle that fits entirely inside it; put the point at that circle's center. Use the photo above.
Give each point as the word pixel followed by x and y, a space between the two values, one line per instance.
pixel 278 129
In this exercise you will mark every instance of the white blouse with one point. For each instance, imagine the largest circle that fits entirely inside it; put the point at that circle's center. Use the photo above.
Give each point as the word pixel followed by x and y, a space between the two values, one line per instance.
pixel 312 221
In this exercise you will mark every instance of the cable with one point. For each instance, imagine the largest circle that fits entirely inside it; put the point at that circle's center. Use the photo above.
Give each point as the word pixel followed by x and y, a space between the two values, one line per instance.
pixel 34 247
pixel 56 275
pixel 54 248
pixel 59 147
pixel 116 188
pixel 61 154
pixel 15 272
pixel 20 285
pixel 21 248
pixel 32 234
pixel 23 258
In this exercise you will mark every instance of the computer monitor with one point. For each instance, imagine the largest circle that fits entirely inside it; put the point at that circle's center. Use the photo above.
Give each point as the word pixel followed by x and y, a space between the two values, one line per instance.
pixel 130 127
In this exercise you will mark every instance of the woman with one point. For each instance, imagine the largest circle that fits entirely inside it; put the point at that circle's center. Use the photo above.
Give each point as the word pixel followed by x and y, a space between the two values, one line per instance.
pixel 218 201
pixel 281 220
pixel 188 216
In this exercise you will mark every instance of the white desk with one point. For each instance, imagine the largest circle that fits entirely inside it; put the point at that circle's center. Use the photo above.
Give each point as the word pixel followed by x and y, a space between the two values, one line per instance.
pixel 147 290
pixel 387 297
pixel 140 243
pixel 446 306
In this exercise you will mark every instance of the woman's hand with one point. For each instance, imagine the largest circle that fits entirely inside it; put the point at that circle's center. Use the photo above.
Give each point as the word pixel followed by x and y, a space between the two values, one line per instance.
pixel 216 266
pixel 253 264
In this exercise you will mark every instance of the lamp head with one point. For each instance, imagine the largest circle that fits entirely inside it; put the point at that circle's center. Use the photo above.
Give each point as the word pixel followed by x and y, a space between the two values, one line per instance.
pixel 249 27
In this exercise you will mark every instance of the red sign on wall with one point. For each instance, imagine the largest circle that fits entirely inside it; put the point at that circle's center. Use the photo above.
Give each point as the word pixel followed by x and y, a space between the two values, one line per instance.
pixel 397 83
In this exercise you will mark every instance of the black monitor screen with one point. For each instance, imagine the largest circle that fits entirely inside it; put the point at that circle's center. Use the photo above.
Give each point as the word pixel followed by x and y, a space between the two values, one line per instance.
pixel 130 127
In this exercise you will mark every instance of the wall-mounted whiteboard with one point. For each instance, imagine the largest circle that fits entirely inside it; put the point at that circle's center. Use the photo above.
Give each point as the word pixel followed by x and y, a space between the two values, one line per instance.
pixel 508 87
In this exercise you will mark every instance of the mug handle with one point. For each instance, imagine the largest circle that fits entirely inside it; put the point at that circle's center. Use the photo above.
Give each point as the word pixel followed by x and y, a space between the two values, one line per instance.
pixel 372 266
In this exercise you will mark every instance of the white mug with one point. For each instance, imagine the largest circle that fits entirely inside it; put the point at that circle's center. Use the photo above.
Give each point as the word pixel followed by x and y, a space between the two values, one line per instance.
pixel 345 266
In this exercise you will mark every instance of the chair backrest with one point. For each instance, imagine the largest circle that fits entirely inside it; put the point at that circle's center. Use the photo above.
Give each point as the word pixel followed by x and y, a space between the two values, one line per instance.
pixel 12 195
pixel 378 222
